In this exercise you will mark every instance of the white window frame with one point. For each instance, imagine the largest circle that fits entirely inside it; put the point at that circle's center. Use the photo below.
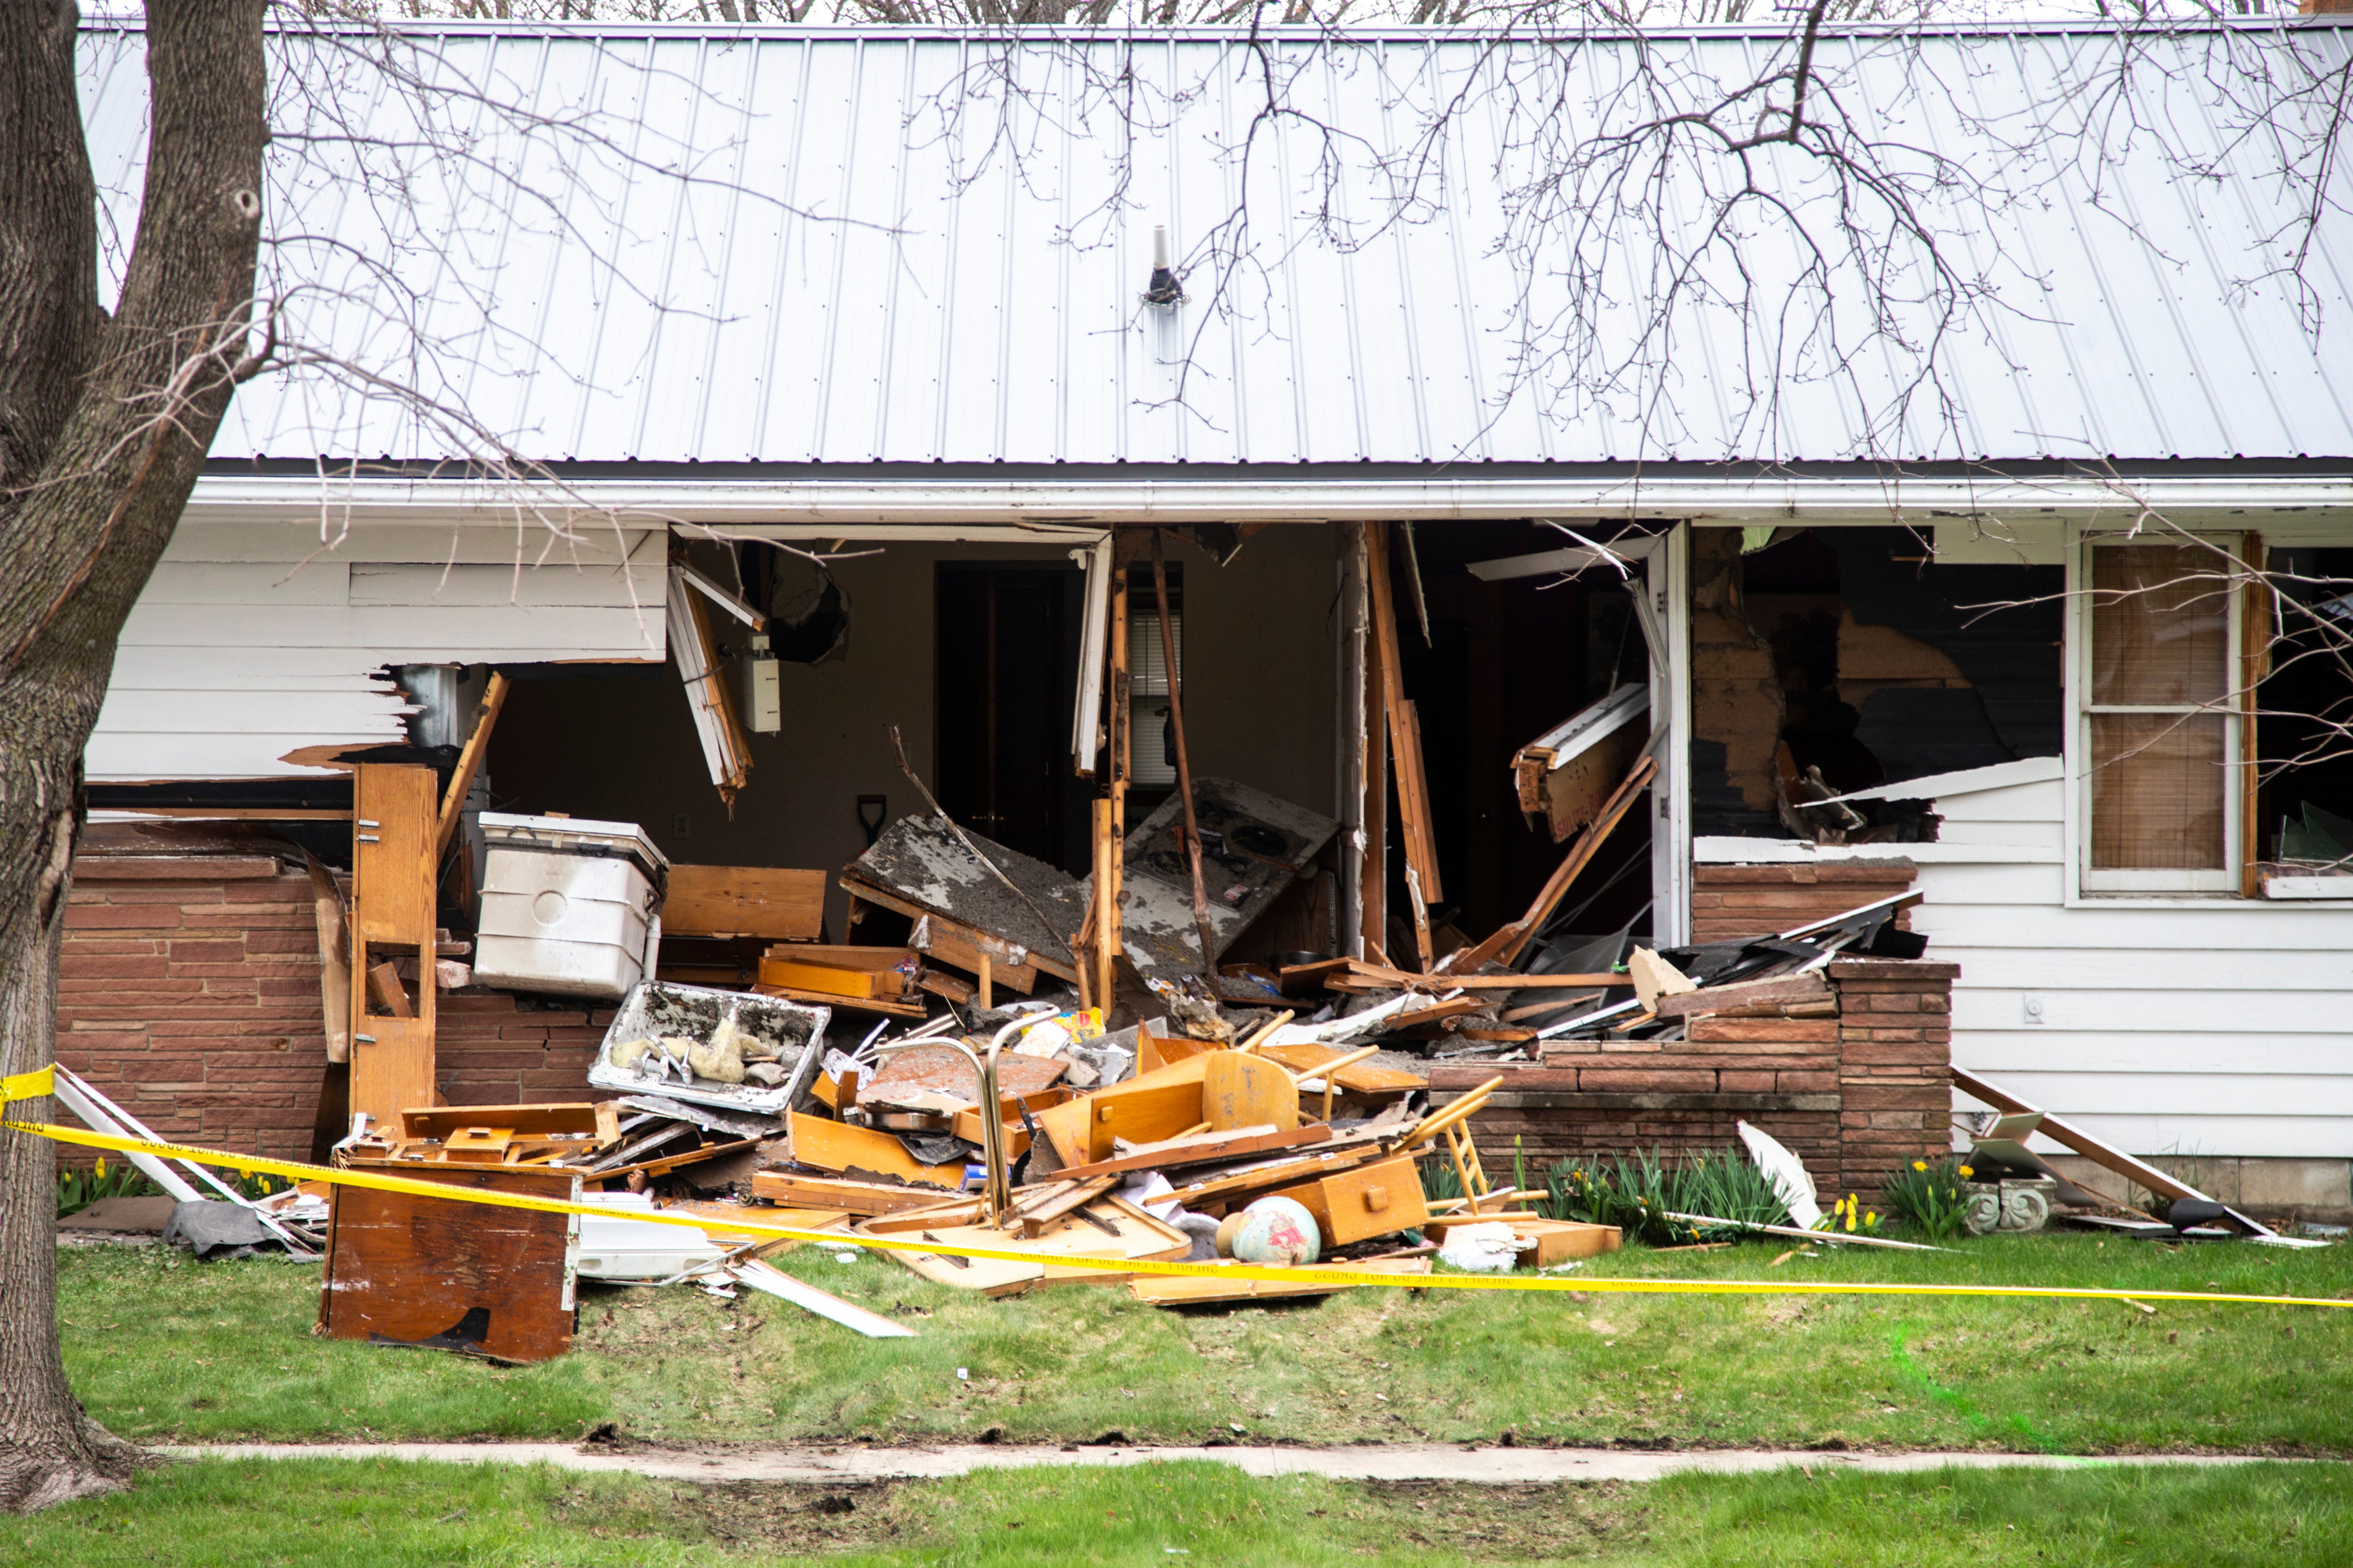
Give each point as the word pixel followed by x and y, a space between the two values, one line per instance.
pixel 2096 883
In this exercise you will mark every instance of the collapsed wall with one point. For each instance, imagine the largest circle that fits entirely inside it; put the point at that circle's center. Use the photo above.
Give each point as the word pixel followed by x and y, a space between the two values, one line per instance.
pixel 1858 1090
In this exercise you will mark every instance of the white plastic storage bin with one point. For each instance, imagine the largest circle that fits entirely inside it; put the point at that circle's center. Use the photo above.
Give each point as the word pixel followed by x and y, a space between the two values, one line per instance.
pixel 566 905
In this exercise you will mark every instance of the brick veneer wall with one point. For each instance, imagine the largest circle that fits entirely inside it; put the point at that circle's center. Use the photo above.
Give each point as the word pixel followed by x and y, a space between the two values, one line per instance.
pixel 1855 1096
pixel 1731 902
pixel 193 1003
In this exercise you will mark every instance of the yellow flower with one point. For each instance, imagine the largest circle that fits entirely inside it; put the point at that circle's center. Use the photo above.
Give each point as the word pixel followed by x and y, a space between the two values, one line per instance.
pixel 102 1167
pixel 1919 1164
pixel 1849 1211
pixel 1966 1171
pixel 1870 1218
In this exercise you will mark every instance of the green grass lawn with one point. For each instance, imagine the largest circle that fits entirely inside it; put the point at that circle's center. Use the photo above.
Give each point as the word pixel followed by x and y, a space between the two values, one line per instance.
pixel 160 1347
pixel 326 1514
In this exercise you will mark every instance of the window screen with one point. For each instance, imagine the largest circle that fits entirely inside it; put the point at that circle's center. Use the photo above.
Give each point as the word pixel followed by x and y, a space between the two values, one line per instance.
pixel 2160 748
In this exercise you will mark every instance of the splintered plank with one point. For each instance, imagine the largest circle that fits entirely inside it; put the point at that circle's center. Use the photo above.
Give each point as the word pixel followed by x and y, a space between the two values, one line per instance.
pixel 1364 1078
pixel 1207 1148
pixel 800 1189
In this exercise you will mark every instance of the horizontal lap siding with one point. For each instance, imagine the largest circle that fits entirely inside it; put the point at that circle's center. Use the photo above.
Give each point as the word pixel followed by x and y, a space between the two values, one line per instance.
pixel 2220 1030
pixel 196 1007
pixel 252 641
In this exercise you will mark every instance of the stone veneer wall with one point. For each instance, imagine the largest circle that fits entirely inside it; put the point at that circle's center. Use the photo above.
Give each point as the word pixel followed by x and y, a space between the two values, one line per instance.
pixel 1733 901
pixel 1856 1095
pixel 193 1002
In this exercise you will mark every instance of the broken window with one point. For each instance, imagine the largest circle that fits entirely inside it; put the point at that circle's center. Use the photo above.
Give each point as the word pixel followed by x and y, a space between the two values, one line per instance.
pixel 1828 661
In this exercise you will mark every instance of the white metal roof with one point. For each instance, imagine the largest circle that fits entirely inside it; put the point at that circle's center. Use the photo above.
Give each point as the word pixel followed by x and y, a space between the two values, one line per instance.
pixel 809 246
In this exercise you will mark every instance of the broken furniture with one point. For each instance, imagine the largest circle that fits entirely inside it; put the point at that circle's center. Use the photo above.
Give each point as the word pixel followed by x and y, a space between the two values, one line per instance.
pixel 568 905
pixel 491 1281
pixel 863 979
pixel 501 1134
pixel 1565 774
pixel 395 833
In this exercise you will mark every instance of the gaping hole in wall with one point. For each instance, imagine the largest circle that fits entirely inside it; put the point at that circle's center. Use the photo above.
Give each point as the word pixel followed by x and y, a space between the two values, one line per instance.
pixel 1835 659
pixel 2303 804
pixel 1505 661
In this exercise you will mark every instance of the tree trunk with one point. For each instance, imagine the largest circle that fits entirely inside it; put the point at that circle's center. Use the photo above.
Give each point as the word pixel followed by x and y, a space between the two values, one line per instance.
pixel 103 428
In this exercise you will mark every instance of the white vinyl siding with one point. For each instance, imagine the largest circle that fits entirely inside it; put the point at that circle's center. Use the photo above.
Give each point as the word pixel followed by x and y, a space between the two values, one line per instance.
pixel 252 641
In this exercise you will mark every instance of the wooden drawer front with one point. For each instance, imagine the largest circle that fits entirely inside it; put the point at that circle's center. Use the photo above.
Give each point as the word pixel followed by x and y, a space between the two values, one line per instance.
pixel 1371 1200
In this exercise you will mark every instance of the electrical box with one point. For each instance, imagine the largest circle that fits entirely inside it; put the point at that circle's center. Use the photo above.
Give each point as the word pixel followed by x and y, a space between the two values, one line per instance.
pixel 763 700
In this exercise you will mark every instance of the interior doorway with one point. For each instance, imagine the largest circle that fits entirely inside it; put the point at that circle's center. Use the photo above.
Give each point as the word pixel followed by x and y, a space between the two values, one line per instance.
pixel 1006 673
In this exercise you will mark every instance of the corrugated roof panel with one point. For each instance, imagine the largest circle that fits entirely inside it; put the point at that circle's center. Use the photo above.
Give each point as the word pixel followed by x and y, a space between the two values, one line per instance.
pixel 817 245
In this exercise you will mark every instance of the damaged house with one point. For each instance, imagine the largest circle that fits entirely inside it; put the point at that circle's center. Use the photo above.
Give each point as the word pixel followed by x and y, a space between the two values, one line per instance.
pixel 923 457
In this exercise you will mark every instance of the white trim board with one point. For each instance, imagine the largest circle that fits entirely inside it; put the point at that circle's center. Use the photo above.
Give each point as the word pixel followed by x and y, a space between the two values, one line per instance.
pixel 2326 504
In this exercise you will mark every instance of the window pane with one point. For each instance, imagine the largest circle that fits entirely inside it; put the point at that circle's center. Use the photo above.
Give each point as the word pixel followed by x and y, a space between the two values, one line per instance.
pixel 2160 625
pixel 2157 792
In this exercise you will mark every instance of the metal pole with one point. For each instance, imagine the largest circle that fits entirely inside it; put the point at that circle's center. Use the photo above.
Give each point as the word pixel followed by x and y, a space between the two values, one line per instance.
pixel 996 1196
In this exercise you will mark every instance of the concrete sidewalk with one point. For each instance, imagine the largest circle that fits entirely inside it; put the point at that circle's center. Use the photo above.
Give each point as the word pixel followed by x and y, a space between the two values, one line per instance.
pixel 1385 1462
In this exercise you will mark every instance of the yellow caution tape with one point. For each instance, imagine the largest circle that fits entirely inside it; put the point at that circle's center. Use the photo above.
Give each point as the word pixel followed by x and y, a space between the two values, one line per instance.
pixel 36 1085
pixel 1335 1277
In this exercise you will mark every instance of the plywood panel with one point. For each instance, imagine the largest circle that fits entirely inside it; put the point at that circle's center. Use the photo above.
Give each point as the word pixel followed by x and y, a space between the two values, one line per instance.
pixel 394 876
pixel 410 1268
pixel 778 903
pixel 1083 1129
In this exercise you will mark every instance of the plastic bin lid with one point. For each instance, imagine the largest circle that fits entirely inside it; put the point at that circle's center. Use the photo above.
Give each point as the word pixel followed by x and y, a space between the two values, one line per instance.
pixel 573 835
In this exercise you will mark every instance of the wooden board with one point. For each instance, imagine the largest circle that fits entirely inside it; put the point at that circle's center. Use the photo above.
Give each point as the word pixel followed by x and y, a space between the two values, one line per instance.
pixel 858 971
pixel 776 903
pixel 1239 1091
pixel 837 1146
pixel 409 1269
pixel 1377 1199
pixel 1203 1147
pixel 806 1191
pixel 600 1121
pixel 394 861
pixel 954 944
pixel 1153 1052
pixel 1558 1240
pixel 855 1004
pixel 1305 1057
pixel 1139 1237
pixel 1272 1176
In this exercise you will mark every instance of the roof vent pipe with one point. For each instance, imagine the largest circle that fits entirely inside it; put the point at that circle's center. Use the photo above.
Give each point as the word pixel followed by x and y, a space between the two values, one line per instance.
pixel 1165 291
